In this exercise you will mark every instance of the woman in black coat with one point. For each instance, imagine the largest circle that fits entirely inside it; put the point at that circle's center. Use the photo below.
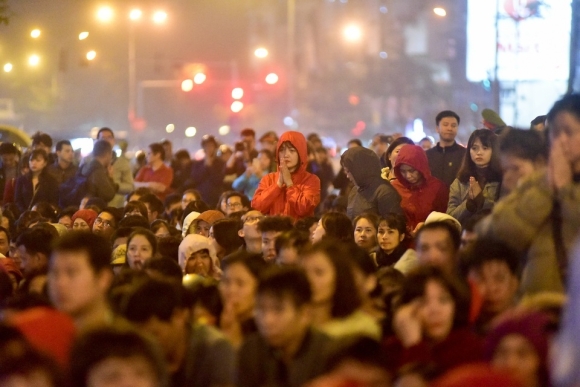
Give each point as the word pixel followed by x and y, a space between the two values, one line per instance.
pixel 37 185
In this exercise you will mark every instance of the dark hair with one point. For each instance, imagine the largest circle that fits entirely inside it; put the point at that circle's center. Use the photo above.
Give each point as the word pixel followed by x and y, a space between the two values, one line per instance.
pixel 41 138
pixel 399 141
pixel 396 222
pixel 7 148
pixel 158 224
pixel 171 199
pixel 361 259
pixel 148 235
pixel 105 129
pixel 62 143
pixel 354 141
pixel 206 293
pixel 416 283
pixel 97 248
pixel 248 132
pixel 121 232
pixel 524 144
pixel 27 362
pixel 373 218
pixel 286 282
pixel 244 199
pixel 487 250
pixel 445 114
pixel 46 210
pixel 38 153
pixel 267 152
pixel 36 240
pixel 337 226
pixel 6 288
pixel 345 299
pixel 155 204
pixel 153 298
pixel 293 238
pixel 468 167
pixel 97 203
pixel 135 205
pixel 134 221
pixel 569 103
pixel 68 211
pixel 451 230
pixel 225 233
pixel 473 220
pixel 362 350
pixel 275 223
pixel 254 263
pixel 167 267
pixel 26 219
pixel 114 212
pixel 139 192
pixel 102 148
pixel 96 346
pixel 169 247
pixel 182 154
pixel 157 148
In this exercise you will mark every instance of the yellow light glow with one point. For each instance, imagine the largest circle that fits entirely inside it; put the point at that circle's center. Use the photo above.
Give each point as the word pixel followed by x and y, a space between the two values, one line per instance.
pixel 170 128
pixel 135 14
pixel 190 132
pixel 91 55
pixel 8 67
pixel 105 14
pixel 237 93
pixel 272 78
pixel 440 11
pixel 35 33
pixel 352 33
pixel 187 85
pixel 237 106
pixel 83 35
pixel 159 17
pixel 224 130
pixel 33 60
pixel 199 78
pixel 261 52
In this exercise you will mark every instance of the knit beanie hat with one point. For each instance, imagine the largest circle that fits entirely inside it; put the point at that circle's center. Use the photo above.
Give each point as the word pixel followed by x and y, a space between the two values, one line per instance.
pixel 88 216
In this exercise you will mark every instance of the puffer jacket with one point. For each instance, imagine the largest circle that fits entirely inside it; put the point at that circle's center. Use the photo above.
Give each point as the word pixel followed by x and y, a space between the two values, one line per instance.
pixel 524 221
pixel 418 201
pixel 372 193
pixel 297 201
pixel 461 208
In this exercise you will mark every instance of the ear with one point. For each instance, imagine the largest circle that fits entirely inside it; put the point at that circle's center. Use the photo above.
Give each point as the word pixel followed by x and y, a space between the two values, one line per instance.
pixel 105 279
pixel 402 237
pixel 241 233
pixel 370 283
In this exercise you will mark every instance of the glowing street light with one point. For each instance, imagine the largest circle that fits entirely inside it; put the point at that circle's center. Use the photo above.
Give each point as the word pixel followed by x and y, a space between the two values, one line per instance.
pixel 91 55
pixel 261 52
pixel 83 35
pixel 187 85
pixel 8 67
pixel 272 78
pixel 35 33
pixel 135 14
pixel 237 93
pixel 441 12
pixel 199 78
pixel 224 130
pixel 159 17
pixel 191 131
pixel 105 14
pixel 170 128
pixel 352 33
pixel 34 60
pixel 237 106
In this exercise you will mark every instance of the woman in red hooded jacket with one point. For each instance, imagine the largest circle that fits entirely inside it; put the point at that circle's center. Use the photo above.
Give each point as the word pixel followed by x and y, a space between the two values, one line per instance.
pixel 420 192
pixel 291 191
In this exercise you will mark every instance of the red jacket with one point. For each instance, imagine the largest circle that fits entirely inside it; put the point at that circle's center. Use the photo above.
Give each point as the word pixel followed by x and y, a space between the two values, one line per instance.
pixel 419 201
pixel 298 201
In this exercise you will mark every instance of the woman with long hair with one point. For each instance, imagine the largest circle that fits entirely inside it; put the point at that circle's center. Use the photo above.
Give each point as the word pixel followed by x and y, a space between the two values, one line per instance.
pixel 37 185
pixel 478 182
pixel 394 244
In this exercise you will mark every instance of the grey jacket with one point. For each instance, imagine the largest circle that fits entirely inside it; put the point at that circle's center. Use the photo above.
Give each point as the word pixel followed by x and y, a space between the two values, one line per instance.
pixel 461 208
pixel 123 177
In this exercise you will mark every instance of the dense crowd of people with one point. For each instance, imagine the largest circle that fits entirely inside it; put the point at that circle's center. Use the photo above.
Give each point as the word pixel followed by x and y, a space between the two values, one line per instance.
pixel 262 265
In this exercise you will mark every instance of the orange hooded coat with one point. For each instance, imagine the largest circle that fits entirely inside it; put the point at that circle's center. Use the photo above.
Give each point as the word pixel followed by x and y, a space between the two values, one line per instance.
pixel 298 201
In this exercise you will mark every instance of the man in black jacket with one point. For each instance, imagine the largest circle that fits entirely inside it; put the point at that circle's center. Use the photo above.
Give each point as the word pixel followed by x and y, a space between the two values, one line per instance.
pixel 445 158
pixel 99 172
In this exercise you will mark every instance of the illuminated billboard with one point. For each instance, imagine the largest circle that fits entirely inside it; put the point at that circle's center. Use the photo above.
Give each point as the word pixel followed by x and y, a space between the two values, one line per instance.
pixel 532 40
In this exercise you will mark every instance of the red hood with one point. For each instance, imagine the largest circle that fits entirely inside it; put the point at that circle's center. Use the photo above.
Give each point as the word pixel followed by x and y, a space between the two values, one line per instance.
pixel 414 156
pixel 297 140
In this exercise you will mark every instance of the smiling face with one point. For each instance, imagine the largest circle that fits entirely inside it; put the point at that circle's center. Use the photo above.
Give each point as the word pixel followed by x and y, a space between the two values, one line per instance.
pixel 199 262
pixel 288 155
pixel 480 154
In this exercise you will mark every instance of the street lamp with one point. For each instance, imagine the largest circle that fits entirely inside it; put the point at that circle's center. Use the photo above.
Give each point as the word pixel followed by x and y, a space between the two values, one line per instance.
pixel 199 78
pixel 159 17
pixel 34 60
pixel 237 93
pixel 261 52
pixel 441 12
pixel 272 78
pixel 35 33
pixel 135 14
pixel 91 55
pixel 352 33
pixel 83 35
pixel 7 67
pixel 105 14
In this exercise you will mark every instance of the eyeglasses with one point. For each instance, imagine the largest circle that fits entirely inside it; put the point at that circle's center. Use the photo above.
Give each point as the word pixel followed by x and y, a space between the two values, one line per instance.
pixel 253 219
pixel 105 223
pixel 234 205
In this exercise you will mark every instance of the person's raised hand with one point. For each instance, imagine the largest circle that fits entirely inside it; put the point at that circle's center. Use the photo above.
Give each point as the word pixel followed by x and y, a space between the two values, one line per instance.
pixel 407 325
pixel 474 188
pixel 560 171
pixel 286 175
